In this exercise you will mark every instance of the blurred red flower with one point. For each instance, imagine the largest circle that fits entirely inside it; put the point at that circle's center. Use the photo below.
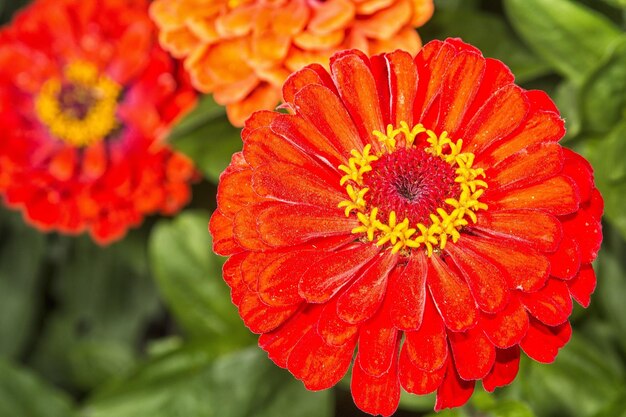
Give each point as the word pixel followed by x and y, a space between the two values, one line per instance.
pixel 364 221
pixel 243 50
pixel 86 98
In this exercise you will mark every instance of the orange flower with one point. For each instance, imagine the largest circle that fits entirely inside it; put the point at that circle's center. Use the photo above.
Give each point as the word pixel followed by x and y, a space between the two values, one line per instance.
pixel 86 96
pixel 243 50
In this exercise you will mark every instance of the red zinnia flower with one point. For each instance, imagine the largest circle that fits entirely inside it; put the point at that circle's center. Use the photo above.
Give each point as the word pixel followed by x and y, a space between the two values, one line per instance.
pixel 86 96
pixel 420 211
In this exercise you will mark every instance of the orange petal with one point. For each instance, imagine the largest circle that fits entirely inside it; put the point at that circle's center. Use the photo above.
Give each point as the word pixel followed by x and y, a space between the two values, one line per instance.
pixel 264 97
pixel 331 15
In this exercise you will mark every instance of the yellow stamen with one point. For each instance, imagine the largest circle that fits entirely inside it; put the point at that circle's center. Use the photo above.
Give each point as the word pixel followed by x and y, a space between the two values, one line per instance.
pixel 98 95
pixel 445 225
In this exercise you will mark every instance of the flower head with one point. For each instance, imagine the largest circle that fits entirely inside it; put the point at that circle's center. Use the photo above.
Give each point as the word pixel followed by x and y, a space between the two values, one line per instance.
pixel 243 50
pixel 86 97
pixel 419 211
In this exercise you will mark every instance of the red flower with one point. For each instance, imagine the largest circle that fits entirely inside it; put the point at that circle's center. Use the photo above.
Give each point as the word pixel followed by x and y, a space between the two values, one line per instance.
pixel 363 220
pixel 86 97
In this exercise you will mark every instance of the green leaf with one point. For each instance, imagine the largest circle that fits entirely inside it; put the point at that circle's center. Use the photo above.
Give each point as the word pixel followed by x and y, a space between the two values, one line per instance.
pixel 617 408
pixel 616 3
pixel 417 402
pixel 606 154
pixel 207 137
pixel 194 381
pixel 566 98
pixel 610 270
pixel 22 251
pixel 604 93
pixel 570 37
pixel 104 299
pixel 491 406
pixel 442 5
pixel 22 394
pixel 511 408
pixel 494 39
pixel 190 281
pixel 586 375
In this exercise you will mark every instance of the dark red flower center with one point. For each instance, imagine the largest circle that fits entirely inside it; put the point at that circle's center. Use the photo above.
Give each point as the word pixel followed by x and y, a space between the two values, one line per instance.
pixel 410 182
pixel 76 100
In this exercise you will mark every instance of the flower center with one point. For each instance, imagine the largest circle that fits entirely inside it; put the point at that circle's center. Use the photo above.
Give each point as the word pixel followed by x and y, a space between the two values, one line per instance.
pixel 410 182
pixel 80 108
pixel 429 183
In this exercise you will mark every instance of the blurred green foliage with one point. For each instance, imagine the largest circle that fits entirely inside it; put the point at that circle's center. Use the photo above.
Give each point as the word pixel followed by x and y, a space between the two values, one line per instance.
pixel 145 327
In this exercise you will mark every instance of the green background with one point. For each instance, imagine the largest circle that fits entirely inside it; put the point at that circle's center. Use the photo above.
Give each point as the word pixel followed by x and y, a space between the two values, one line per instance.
pixel 145 327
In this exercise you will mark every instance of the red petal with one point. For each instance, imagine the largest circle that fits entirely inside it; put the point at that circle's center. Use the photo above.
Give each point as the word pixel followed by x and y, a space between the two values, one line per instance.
pixel 407 292
pixel 221 228
pixel 278 282
pixel 416 380
pixel 526 269
pixel 578 169
pixel 231 272
pixel 378 343
pixel 558 196
pixel 261 318
pixel 586 230
pixel 254 264
pixel 431 63
pixel 288 183
pixel 474 354
pixel 361 300
pixel 498 117
pixel 497 75
pixel 235 192
pixel 551 305
pixel 583 285
pixel 402 86
pixel 323 109
pixel 312 74
pixel 265 147
pixel 565 262
pixel 504 370
pixel 376 395
pixel 452 296
pixel 332 329
pixel 280 342
pixel 485 280
pixel 290 224
pixel 453 391
pixel 541 230
pixel 245 229
pixel 528 166
pixel 304 135
pixel 539 126
pixel 325 278
pixel 542 343
pixel 319 365
pixel 596 204
pixel 357 89
pixel 428 346
pixel 379 65
pixel 507 327
pixel 460 84
pixel 63 164
pixel 259 119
